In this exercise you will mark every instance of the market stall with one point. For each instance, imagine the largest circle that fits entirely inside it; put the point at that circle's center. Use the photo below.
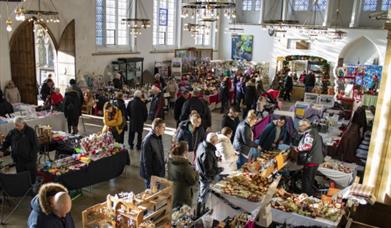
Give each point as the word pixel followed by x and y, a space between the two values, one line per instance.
pixel 89 166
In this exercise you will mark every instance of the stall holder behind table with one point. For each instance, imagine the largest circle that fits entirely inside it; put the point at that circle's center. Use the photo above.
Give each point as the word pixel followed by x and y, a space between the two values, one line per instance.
pixel 97 171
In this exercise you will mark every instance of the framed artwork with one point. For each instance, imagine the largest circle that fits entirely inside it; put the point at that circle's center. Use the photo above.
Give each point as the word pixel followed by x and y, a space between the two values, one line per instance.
pixel 326 100
pixel 311 98
pixel 242 47
pixel 163 17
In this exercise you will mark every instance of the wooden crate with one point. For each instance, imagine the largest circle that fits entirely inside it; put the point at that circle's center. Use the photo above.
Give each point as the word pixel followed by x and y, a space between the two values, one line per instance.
pixel 155 207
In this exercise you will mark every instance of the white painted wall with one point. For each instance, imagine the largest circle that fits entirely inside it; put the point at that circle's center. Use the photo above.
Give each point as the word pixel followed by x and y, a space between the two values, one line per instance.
pixel 83 11
pixel 267 49
pixel 361 51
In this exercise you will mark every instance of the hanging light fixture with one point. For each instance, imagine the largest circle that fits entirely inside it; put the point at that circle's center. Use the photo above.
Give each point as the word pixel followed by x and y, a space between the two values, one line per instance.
pixel 137 24
pixel 8 22
pixel 197 29
pixel 336 33
pixel 209 10
pixel 50 15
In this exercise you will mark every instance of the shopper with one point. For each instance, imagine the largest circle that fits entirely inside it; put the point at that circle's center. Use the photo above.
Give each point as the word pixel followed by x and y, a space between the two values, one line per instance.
pixel 156 109
pixel 240 88
pixel 51 208
pixel 179 104
pixel 261 103
pixel 310 151
pixel 5 107
pixel 11 93
pixel 137 114
pixel 192 132
pixel 226 152
pixel 172 89
pixel 89 102
pixel 57 100
pixel 152 153
pixel 224 94
pixel 72 110
pixel 120 104
pixel 75 87
pixel 309 82
pixel 114 122
pixel 244 139
pixel 182 174
pixel 24 147
pixel 274 134
pixel 198 104
pixel 207 168
pixel 288 87
pixel 250 97
pixel 231 120
pixel 46 89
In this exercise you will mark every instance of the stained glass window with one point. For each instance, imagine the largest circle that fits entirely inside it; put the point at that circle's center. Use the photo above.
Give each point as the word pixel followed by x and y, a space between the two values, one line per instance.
pixel 247 5
pixel 369 5
pixel 300 5
pixel 386 4
pixel 320 5
pixel 164 22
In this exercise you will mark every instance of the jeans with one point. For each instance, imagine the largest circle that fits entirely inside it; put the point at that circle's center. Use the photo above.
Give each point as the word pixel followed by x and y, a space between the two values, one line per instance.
pixel 147 183
pixel 241 160
pixel 308 179
pixel 203 191
pixel 224 105
pixel 132 134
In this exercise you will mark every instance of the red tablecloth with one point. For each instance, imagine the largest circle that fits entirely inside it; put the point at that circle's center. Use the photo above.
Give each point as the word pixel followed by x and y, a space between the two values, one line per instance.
pixel 215 98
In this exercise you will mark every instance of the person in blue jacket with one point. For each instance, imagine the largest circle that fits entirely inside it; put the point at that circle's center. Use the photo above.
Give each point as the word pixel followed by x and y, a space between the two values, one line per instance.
pixel 51 208
pixel 274 134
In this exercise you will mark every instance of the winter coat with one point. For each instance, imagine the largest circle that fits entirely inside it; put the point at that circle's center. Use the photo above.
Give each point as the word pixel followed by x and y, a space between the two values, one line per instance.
pixel 72 107
pixel 184 177
pixel 250 96
pixel 288 83
pixel 231 123
pixel 226 151
pixel 137 114
pixel 309 80
pixel 224 90
pixel 268 136
pixel 5 107
pixel 157 106
pixel 199 105
pixel 178 107
pixel 12 95
pixel 192 138
pixel 206 163
pixel 311 142
pixel 152 156
pixel 41 215
pixel 120 104
pixel 113 120
pixel 243 140
pixel 79 93
pixel 45 91
pixel 24 145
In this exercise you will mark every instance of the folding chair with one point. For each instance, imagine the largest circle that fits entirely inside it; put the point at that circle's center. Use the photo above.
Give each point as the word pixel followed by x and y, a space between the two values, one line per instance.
pixel 14 186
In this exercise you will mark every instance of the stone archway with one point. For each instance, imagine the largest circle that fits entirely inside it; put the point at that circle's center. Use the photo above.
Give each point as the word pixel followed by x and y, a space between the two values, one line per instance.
pixel 360 51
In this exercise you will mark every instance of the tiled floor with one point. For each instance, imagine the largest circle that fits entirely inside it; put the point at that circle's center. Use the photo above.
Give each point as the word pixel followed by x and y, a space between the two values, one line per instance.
pixel 128 181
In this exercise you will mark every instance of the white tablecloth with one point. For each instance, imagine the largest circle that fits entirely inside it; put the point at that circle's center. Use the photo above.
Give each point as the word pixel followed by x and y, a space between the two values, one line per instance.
pixel 56 120
pixel 300 220
pixel 342 179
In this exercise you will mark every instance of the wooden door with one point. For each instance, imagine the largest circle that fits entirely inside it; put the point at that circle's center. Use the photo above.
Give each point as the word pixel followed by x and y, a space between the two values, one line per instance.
pixel 66 56
pixel 22 54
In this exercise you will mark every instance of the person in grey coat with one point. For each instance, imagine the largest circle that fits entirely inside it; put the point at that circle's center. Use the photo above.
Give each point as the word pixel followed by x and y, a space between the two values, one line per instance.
pixel 244 139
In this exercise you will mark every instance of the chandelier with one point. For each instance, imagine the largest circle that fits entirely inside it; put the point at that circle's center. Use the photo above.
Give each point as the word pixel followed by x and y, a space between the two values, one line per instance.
pixel 49 15
pixel 209 10
pixel 137 24
pixel 197 29
pixel 234 28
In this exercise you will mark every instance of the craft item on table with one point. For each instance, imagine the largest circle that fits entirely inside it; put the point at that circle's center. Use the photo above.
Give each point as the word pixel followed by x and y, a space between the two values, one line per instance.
pixel 266 163
pixel 182 217
pixel 335 165
pixel 361 190
pixel 96 142
pixel 307 206
pixel 245 185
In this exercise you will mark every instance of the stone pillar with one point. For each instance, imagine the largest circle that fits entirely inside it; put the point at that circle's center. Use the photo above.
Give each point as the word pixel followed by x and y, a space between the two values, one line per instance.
pixel 328 14
pixel 262 12
pixel 356 12
pixel 285 9
pixel 378 167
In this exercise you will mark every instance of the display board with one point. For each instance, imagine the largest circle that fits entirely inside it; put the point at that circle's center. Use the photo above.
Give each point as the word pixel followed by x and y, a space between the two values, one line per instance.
pixel 242 47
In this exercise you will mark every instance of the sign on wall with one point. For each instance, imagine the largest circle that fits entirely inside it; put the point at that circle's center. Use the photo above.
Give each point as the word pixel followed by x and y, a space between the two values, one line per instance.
pixel 242 47
pixel 163 17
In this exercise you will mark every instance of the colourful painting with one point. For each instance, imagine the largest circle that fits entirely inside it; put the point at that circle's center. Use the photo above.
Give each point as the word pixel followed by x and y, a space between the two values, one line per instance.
pixel 242 47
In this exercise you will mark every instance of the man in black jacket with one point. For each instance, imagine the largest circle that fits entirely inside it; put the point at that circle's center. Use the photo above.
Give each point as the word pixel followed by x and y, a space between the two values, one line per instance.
pixel 250 96
pixel 309 82
pixel 231 120
pixel 5 107
pixel 72 109
pixel 137 115
pixel 24 147
pixel 178 106
pixel 200 105
pixel 206 166
pixel 152 153
pixel 224 95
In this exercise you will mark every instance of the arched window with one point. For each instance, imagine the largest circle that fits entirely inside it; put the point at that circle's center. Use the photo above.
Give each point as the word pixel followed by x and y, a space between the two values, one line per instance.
pixel 165 19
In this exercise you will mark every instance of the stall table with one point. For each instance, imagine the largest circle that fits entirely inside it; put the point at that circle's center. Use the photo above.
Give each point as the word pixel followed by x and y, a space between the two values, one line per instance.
pixel 56 120
pixel 342 179
pixel 97 171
